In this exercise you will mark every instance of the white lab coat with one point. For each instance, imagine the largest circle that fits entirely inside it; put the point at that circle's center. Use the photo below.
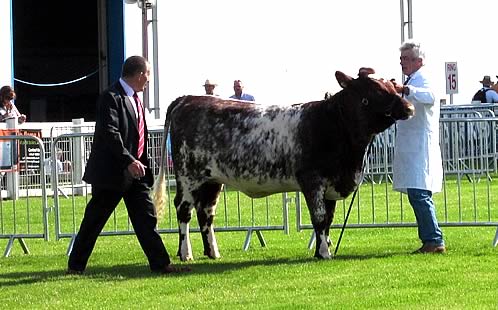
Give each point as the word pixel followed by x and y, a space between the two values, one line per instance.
pixel 417 155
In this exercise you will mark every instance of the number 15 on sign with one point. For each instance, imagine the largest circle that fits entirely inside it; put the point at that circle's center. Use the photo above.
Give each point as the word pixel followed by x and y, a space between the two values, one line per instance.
pixel 451 77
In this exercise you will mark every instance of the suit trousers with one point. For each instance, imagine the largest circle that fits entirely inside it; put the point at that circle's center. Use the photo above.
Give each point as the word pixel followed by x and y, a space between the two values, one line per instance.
pixel 142 216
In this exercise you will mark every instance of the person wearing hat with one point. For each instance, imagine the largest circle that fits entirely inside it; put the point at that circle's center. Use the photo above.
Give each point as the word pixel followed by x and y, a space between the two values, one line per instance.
pixel 209 87
pixel 486 94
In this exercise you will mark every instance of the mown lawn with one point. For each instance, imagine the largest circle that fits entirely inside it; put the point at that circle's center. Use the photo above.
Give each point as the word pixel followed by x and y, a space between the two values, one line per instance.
pixel 373 269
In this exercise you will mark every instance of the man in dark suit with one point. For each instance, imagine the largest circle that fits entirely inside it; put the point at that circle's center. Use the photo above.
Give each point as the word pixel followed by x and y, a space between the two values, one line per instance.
pixel 118 168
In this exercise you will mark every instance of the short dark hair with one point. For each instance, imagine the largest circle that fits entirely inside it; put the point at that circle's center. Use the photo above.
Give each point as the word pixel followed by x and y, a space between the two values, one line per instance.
pixel 134 65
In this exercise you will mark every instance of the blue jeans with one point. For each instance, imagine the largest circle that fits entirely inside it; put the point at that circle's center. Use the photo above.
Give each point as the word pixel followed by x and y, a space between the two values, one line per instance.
pixel 425 213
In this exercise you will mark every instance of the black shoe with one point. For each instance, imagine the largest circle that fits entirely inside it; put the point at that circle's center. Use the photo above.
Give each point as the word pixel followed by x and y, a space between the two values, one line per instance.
pixel 171 269
pixel 70 271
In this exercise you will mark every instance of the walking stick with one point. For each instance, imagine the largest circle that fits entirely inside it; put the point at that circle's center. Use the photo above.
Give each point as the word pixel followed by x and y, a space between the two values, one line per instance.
pixel 352 198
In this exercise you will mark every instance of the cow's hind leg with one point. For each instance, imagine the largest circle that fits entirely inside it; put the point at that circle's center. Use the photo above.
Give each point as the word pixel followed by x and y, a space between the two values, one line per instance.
pixel 184 205
pixel 207 199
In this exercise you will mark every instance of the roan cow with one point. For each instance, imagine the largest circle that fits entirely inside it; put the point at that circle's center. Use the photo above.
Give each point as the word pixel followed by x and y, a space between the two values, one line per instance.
pixel 316 148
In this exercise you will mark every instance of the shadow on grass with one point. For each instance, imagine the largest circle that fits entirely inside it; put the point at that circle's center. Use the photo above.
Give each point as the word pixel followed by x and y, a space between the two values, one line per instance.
pixel 136 271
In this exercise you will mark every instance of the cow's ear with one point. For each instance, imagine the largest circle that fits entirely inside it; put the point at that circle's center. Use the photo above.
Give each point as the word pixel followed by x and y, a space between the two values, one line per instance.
pixel 343 79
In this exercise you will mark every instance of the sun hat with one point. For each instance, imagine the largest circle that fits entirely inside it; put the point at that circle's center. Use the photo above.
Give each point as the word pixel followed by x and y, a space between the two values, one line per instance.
pixel 208 82
pixel 486 80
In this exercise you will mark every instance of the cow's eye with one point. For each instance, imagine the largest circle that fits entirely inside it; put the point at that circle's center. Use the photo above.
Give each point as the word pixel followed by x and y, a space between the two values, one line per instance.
pixel 364 101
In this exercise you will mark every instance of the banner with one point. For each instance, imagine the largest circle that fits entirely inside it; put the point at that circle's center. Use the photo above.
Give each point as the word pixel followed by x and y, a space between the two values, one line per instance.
pixel 23 154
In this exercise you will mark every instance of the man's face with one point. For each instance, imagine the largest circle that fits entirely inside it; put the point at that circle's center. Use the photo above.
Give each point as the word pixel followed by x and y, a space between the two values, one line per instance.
pixel 237 88
pixel 209 89
pixel 143 79
pixel 409 63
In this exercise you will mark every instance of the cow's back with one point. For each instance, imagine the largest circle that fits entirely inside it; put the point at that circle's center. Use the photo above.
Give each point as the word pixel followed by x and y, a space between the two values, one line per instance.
pixel 247 146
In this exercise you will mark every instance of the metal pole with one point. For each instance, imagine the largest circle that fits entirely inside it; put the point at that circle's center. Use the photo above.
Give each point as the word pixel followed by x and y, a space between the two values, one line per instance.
pixel 145 45
pixel 402 15
pixel 409 16
pixel 155 47
pixel 410 20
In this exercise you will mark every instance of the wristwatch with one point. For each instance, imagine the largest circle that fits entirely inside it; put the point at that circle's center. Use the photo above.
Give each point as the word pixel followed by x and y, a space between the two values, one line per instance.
pixel 406 90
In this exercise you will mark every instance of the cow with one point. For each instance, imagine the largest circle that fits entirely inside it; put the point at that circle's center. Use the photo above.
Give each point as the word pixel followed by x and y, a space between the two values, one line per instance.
pixel 316 148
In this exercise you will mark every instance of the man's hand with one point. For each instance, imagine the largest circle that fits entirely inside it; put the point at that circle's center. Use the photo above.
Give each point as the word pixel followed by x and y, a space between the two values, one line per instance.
pixel 136 169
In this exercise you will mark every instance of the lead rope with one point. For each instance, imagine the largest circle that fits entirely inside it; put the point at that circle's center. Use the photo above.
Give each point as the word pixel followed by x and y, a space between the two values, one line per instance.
pixel 354 195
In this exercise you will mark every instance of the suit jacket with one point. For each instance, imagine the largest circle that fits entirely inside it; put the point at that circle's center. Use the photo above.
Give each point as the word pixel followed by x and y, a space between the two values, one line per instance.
pixel 115 142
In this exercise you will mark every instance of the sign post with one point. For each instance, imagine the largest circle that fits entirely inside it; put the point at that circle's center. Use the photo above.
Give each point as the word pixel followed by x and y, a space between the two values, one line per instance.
pixel 451 70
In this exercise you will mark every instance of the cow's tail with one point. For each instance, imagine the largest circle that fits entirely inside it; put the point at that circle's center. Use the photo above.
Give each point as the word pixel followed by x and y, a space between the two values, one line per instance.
pixel 159 191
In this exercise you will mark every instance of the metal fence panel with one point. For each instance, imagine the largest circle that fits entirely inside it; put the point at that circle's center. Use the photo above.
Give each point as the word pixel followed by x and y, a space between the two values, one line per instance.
pixel 468 147
pixel 235 212
pixel 23 207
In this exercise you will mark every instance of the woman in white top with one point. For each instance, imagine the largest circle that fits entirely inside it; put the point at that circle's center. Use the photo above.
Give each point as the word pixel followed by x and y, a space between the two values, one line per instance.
pixel 8 109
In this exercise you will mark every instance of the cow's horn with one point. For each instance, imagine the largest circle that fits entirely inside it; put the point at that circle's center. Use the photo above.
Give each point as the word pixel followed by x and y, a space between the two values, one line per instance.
pixel 364 72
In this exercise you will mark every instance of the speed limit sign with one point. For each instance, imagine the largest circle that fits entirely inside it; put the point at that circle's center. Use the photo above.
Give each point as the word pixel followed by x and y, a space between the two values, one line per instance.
pixel 451 77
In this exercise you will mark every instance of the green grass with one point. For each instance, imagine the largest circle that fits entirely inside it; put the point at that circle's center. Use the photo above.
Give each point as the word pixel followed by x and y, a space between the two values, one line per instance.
pixel 373 269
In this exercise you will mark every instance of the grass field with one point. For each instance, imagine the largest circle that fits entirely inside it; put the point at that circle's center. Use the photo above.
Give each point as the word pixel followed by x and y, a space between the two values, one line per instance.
pixel 373 269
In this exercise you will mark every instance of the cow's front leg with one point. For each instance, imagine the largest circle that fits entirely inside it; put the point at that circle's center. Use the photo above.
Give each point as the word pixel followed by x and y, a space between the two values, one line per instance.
pixel 313 188
pixel 184 214
pixel 206 211
pixel 329 212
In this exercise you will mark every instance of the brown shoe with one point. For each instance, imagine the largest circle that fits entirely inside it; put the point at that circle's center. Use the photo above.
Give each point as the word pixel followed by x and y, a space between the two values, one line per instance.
pixel 427 248
pixel 171 269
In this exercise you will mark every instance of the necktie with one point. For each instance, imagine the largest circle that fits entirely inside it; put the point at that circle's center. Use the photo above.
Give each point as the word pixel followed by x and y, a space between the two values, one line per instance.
pixel 405 83
pixel 141 126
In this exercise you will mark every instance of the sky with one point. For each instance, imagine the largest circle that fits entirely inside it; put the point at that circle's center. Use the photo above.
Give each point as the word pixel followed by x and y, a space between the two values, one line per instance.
pixel 287 52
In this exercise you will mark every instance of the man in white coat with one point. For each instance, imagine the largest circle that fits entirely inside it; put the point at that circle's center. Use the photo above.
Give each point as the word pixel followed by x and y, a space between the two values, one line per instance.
pixel 417 167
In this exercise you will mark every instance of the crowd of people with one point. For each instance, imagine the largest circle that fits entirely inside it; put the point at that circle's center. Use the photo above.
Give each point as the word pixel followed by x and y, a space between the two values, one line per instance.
pixel 238 88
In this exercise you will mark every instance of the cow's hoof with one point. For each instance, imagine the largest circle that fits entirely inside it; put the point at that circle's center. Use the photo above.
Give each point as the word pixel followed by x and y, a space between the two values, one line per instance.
pixel 186 258
pixel 216 255
pixel 327 256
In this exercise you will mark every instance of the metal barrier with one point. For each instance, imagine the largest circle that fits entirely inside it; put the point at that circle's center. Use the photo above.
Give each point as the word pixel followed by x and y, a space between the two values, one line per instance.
pixel 468 147
pixel 235 212
pixel 469 151
pixel 23 211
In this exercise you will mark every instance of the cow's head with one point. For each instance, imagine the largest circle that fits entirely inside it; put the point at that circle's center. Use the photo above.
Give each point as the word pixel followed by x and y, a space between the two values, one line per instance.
pixel 376 100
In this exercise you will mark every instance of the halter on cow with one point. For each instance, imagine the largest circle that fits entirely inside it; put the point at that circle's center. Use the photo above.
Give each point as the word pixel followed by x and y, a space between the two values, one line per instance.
pixel 316 148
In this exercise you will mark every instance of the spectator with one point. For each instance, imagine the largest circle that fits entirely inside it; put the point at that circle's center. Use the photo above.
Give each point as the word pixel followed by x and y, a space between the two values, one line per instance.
pixel 118 168
pixel 209 87
pixel 486 94
pixel 417 166
pixel 239 94
pixel 8 108
pixel 60 165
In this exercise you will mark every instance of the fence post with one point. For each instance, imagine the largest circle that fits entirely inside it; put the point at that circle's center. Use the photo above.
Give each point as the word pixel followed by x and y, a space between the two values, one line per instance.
pixel 79 155
pixel 13 175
